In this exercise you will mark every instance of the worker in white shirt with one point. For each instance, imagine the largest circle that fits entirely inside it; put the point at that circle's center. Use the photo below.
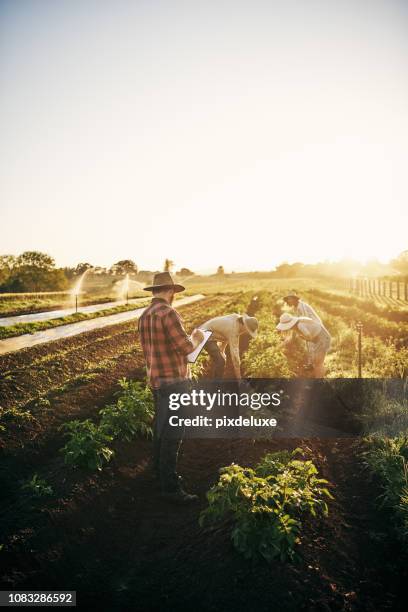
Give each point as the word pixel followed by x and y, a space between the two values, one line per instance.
pixel 314 333
pixel 226 330
pixel 301 308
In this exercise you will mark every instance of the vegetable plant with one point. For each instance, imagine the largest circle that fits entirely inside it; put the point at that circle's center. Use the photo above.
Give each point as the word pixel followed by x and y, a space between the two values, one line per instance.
pixel 37 487
pixel 87 445
pixel 387 459
pixel 132 414
pixel 265 505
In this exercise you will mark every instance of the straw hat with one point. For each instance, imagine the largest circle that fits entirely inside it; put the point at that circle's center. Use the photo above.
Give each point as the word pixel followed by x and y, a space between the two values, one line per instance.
pixel 291 294
pixel 164 280
pixel 287 321
pixel 251 325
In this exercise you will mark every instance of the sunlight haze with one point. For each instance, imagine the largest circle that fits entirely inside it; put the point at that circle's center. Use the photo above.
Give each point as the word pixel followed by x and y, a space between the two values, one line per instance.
pixel 233 133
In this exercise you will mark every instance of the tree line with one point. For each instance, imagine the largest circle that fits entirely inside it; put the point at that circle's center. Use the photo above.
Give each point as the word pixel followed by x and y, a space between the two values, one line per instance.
pixel 33 271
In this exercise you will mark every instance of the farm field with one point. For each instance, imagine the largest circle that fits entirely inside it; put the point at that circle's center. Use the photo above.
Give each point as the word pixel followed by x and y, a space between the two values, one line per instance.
pixel 109 535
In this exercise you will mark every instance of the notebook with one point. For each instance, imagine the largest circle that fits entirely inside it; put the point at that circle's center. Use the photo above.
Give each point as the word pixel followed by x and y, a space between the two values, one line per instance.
pixel 192 357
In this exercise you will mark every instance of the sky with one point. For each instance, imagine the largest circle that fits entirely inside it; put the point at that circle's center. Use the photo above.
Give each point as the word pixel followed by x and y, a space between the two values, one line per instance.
pixel 210 132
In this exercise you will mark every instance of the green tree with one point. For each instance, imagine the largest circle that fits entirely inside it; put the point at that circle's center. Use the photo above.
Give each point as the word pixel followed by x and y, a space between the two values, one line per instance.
pixel 124 266
pixel 35 271
pixel 7 263
pixel 82 267
pixel 35 259
pixel 401 263
pixel 185 272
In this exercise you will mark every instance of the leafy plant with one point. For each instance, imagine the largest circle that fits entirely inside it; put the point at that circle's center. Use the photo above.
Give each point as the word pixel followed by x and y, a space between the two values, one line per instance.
pixel 14 416
pixel 37 487
pixel 387 458
pixel 132 414
pixel 87 445
pixel 266 504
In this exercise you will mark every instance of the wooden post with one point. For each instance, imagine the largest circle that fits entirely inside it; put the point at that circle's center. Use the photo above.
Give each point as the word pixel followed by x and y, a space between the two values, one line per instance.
pixel 359 330
pixel 390 289
pixel 406 291
pixel 398 290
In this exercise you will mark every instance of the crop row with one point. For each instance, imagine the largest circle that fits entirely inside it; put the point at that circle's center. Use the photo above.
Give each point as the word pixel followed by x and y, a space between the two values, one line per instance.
pixel 373 324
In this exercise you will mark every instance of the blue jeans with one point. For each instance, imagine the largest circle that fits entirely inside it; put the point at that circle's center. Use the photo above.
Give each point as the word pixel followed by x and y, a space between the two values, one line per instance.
pixel 217 359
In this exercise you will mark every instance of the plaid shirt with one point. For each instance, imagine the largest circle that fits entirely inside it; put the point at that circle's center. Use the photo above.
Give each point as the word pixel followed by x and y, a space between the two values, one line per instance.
pixel 165 343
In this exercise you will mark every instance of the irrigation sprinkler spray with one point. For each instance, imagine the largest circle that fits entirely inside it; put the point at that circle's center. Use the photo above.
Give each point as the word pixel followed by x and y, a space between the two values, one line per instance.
pixel 359 327
pixel 125 288
pixel 77 288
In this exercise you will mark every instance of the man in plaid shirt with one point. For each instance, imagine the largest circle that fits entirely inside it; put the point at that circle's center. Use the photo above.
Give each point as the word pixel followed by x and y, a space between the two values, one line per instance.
pixel 166 345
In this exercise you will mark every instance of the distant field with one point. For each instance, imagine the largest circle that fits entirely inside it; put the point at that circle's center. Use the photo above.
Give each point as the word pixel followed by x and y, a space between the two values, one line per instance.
pixel 258 281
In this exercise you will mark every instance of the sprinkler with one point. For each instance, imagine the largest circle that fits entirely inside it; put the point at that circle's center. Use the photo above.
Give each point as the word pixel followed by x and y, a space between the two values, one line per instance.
pixel 77 288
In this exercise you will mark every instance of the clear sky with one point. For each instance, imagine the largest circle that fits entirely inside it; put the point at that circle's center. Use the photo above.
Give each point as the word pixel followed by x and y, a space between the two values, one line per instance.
pixel 207 131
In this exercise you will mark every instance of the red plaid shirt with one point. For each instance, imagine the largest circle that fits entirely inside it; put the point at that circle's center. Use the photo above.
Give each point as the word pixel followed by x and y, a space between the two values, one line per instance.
pixel 165 343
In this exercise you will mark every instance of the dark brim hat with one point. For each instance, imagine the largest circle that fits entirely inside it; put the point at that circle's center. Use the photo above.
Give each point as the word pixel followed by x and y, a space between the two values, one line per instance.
pixel 291 294
pixel 164 280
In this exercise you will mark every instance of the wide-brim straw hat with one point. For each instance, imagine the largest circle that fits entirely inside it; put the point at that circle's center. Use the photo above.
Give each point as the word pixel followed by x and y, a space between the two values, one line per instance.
pixel 286 321
pixel 251 325
pixel 164 280
pixel 291 294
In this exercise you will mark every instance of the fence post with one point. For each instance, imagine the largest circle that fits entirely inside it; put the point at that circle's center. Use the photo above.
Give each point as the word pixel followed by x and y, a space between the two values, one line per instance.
pixel 359 330
pixel 406 290
pixel 390 289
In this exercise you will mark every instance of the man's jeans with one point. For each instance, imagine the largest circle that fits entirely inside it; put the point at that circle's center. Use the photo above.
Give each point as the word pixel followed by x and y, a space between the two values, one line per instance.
pixel 217 358
pixel 166 439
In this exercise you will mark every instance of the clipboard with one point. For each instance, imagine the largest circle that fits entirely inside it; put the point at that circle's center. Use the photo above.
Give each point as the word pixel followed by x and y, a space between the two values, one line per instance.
pixel 192 357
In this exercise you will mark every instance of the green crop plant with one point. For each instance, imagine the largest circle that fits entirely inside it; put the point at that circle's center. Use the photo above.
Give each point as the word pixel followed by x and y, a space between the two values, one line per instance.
pixel 37 487
pixel 87 446
pixel 132 414
pixel 265 505
pixel 14 416
pixel 387 459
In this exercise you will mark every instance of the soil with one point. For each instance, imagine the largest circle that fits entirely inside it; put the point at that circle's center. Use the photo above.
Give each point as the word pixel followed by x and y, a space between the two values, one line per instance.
pixel 112 538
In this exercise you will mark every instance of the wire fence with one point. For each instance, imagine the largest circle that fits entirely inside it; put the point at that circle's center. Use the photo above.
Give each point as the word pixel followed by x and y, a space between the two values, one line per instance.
pixel 370 287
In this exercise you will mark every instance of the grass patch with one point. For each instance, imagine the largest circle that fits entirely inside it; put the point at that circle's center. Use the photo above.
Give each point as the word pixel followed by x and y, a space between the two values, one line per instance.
pixel 30 328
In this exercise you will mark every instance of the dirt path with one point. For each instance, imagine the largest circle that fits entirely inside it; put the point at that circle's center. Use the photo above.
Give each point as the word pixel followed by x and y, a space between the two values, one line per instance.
pixel 63 312
pixel 18 343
